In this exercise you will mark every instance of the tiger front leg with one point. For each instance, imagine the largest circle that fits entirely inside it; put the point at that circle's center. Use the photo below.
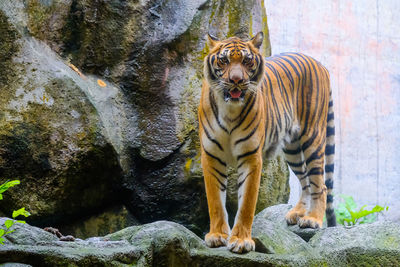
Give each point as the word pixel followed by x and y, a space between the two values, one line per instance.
pixel 215 183
pixel 240 240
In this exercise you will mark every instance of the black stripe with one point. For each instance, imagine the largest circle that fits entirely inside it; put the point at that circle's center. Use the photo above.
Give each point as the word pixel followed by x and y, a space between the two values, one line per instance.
pixel 223 186
pixel 314 184
pixel 210 137
pixel 286 70
pixel 220 173
pixel 242 182
pixel 215 112
pixel 275 108
pixel 243 109
pixel 316 171
pixel 248 136
pixel 329 199
pixel 303 69
pixel 252 120
pixel 331 116
pixel 297 164
pixel 309 142
pixel 331 103
pixel 241 164
pixel 315 155
pixel 212 59
pixel 248 153
pixel 257 76
pixel 329 183
pixel 305 187
pixel 292 151
pixel 208 121
pixel 310 65
pixel 300 173
pixel 329 150
pixel 247 113
pixel 211 73
pixel 330 131
pixel 283 91
pixel 329 168
pixel 214 157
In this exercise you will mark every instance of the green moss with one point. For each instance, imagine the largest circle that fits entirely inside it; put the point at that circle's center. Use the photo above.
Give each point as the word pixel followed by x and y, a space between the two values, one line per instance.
pixel 9 47
pixel 234 18
pixel 214 7
pixel 274 185
pixel 251 25
pixel 188 109
pixel 38 18
pixel 266 43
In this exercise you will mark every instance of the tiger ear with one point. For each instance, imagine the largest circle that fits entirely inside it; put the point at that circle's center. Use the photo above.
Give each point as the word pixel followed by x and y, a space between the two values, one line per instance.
pixel 257 40
pixel 212 41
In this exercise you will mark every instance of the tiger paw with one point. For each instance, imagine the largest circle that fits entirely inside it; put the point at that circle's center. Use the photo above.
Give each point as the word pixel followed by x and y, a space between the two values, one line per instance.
pixel 309 222
pixel 214 240
pixel 241 245
pixel 293 216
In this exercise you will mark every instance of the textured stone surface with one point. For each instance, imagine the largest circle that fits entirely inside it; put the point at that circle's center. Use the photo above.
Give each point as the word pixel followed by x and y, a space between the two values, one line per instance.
pixel 51 136
pixel 109 220
pixel 275 215
pixel 164 243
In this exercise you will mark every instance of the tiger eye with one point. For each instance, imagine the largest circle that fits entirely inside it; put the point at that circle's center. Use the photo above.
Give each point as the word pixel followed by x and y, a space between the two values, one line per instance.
pixel 246 60
pixel 223 60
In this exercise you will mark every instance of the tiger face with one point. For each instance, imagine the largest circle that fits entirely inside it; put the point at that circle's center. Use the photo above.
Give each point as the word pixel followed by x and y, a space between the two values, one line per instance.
pixel 234 67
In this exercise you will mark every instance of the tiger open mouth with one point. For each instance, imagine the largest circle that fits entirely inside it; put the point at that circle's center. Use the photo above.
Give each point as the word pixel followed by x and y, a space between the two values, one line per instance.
pixel 234 95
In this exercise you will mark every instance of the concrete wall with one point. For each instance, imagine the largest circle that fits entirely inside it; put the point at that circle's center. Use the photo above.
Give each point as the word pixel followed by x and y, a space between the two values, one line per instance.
pixel 359 43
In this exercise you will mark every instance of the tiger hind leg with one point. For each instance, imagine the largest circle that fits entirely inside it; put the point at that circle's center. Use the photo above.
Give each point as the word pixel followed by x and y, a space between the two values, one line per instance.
pixel 295 159
pixel 314 152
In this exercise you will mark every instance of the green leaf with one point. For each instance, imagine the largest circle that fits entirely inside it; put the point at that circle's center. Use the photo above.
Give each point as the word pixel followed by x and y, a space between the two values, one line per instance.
pixel 8 184
pixel 349 201
pixel 19 212
pixel 9 223
pixel 2 232
pixel 2 241
pixel 9 232
pixel 21 221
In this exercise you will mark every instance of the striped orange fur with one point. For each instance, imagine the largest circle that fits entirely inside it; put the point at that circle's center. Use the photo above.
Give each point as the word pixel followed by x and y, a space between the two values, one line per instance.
pixel 250 108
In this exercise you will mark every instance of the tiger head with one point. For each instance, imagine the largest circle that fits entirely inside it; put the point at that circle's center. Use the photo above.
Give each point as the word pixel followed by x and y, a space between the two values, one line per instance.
pixel 234 68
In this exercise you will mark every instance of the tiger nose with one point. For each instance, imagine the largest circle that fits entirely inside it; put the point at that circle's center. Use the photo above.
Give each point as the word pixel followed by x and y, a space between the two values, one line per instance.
pixel 236 78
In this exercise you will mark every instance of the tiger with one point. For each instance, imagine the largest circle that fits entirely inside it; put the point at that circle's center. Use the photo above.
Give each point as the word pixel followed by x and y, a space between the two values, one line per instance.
pixel 253 109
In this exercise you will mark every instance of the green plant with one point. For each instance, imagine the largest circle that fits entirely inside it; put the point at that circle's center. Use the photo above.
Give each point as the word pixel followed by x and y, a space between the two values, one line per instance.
pixel 9 223
pixel 347 212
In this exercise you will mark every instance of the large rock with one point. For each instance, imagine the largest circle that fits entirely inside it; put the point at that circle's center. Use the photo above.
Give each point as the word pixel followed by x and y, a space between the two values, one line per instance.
pixel 51 136
pixel 377 243
pixel 160 243
pixel 144 121
pixel 164 243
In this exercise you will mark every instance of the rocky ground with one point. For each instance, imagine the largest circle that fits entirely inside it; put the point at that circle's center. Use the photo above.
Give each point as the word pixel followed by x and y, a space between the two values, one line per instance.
pixel 165 243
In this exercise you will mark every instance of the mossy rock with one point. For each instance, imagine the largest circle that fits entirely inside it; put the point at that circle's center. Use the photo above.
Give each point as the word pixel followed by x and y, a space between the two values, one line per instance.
pixel 51 136
pixel 376 244
pixel 165 243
